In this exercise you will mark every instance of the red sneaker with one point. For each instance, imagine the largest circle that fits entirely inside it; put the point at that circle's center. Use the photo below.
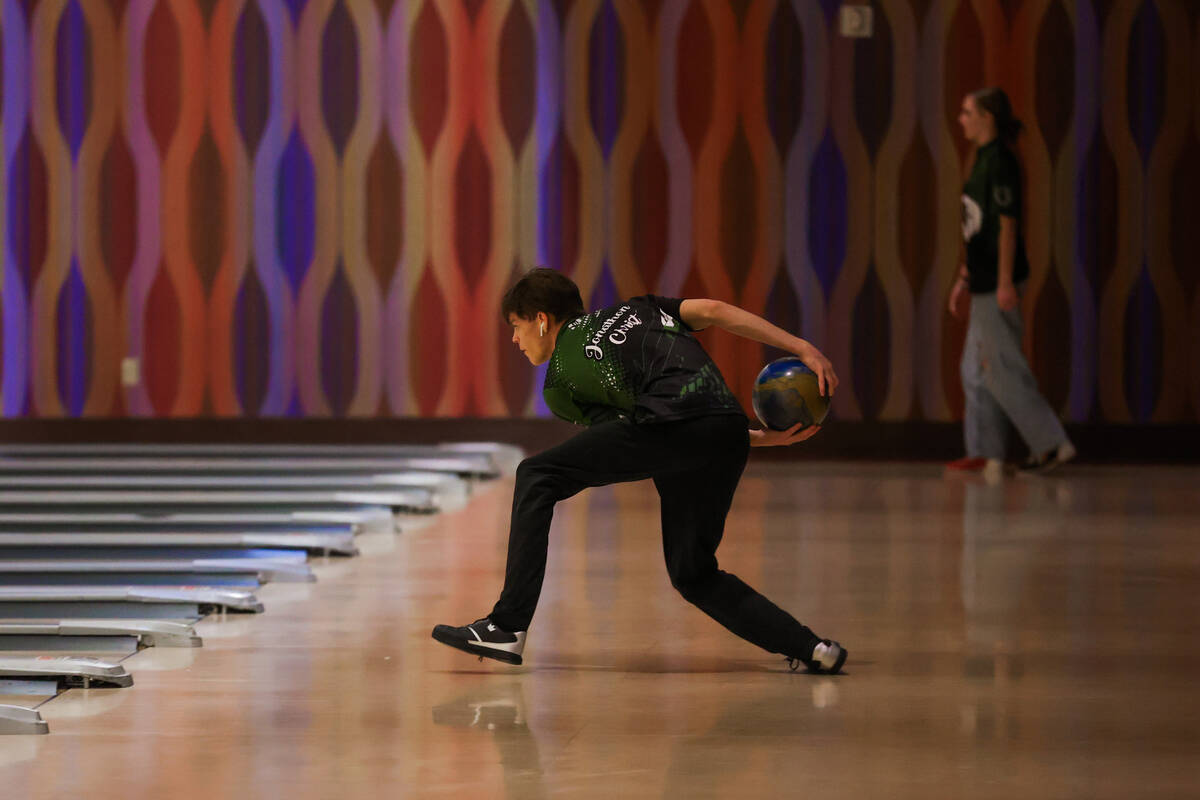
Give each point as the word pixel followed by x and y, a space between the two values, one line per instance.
pixel 968 464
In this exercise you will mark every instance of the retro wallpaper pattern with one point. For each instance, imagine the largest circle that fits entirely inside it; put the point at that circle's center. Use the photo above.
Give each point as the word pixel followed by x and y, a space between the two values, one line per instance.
pixel 312 207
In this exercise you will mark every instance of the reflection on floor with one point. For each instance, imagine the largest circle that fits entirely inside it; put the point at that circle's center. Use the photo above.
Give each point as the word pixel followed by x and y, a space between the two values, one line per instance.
pixel 1035 638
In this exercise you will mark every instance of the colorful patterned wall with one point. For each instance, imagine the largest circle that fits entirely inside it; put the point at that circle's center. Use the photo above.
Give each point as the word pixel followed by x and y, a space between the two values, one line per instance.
pixel 312 207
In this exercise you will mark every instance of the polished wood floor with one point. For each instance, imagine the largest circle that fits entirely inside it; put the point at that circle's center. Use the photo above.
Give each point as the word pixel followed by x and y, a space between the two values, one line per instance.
pixel 1036 638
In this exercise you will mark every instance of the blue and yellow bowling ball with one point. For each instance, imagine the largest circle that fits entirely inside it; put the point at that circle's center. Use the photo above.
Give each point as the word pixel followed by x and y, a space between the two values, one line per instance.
pixel 786 392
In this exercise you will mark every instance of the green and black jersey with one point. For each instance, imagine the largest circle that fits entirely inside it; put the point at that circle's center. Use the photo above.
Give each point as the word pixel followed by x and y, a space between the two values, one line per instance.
pixel 992 191
pixel 636 360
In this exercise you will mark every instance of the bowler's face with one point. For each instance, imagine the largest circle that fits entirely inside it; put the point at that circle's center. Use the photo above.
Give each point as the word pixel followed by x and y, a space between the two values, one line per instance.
pixel 527 335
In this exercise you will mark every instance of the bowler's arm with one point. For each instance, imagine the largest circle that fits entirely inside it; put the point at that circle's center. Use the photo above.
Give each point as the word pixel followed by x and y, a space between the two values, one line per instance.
pixel 700 314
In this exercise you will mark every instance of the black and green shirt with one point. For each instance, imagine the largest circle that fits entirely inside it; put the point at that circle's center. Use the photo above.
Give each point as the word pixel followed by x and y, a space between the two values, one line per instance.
pixel 636 360
pixel 992 191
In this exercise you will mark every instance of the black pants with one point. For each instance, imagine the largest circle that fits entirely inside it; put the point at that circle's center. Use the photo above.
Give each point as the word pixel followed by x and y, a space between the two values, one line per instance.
pixel 696 465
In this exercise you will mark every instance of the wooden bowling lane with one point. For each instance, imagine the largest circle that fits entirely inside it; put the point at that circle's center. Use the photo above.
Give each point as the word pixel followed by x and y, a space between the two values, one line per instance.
pixel 1037 638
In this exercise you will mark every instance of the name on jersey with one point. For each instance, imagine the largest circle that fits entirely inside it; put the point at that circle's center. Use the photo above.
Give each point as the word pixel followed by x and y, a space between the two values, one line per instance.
pixel 616 335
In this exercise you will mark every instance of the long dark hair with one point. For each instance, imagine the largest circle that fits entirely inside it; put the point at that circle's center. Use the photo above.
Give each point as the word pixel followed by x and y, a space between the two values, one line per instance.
pixel 994 101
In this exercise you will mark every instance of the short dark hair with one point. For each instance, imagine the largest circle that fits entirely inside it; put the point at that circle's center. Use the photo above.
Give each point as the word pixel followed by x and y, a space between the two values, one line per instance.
pixel 543 289
pixel 994 100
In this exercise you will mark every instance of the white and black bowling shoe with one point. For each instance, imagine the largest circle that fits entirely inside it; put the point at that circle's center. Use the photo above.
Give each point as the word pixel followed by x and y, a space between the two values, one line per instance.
pixel 828 657
pixel 482 638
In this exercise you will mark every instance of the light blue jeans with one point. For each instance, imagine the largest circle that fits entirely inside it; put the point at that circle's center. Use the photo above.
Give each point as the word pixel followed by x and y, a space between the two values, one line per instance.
pixel 1000 388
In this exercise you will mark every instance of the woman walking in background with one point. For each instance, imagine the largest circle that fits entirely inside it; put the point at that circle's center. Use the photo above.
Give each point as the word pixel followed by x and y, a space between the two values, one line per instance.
pixel 1000 388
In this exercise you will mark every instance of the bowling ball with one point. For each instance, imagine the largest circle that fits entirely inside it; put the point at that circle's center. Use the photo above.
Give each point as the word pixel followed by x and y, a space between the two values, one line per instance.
pixel 786 392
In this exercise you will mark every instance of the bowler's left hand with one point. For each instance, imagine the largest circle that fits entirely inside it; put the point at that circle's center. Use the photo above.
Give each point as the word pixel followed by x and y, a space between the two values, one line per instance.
pixel 793 435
